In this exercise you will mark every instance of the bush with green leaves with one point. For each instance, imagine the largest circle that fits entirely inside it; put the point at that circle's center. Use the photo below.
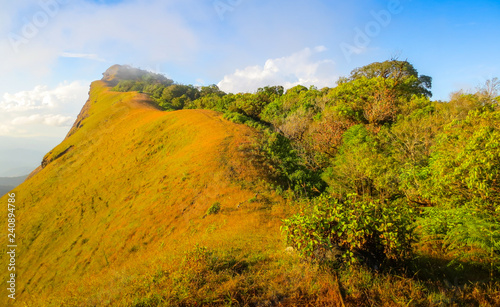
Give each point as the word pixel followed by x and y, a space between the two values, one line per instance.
pixel 287 167
pixel 463 183
pixel 466 233
pixel 236 118
pixel 214 209
pixel 362 166
pixel 360 229
pixel 465 163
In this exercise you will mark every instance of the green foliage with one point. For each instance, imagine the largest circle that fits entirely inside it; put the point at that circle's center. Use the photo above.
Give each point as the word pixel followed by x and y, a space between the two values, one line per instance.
pixel 375 101
pixel 239 118
pixel 213 101
pixel 350 170
pixel 250 105
pixel 465 163
pixel 165 93
pixel 381 171
pixel 211 90
pixel 362 166
pixel 284 106
pixel 271 92
pixel 131 79
pixel 462 181
pixel 377 135
pixel 402 72
pixel 214 209
pixel 124 86
pixel 360 229
pixel 236 117
pixel 287 167
pixel 466 233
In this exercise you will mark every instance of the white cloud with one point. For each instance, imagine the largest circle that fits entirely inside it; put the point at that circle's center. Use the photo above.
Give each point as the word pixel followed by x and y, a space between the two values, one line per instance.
pixel 89 56
pixel 299 68
pixel 49 120
pixel 5 129
pixel 42 111
pixel 42 98
pixel 83 29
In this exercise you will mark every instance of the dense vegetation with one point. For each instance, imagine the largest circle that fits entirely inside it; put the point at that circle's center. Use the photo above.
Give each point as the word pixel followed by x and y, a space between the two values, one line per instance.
pixel 382 176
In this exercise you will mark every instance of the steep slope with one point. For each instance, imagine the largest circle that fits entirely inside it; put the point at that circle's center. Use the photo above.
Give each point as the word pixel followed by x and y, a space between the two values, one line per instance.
pixel 131 185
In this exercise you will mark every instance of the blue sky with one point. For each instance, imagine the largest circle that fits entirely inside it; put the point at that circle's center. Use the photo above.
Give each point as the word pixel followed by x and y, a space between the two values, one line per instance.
pixel 52 49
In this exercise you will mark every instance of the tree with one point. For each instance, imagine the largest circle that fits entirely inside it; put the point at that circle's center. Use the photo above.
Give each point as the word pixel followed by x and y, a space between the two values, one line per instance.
pixel 367 100
pixel 211 90
pixel 490 89
pixel 272 90
pixel 326 133
pixel 463 183
pixel 465 163
pixel 397 70
pixel 182 94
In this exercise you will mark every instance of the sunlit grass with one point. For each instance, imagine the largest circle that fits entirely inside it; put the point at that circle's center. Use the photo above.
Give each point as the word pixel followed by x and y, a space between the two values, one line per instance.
pixel 121 191
pixel 122 216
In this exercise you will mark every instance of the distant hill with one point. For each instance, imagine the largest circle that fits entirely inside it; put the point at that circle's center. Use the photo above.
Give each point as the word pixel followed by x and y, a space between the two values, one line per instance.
pixel 5 189
pixel 19 161
pixel 18 158
pixel 9 183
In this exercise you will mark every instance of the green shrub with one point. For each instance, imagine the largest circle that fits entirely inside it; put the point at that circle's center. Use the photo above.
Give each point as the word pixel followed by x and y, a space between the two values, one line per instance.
pixel 465 163
pixel 466 233
pixel 214 209
pixel 360 230
pixel 236 118
pixel 288 167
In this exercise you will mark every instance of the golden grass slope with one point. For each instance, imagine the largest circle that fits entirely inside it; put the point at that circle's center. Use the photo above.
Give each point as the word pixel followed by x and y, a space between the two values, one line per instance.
pixel 129 186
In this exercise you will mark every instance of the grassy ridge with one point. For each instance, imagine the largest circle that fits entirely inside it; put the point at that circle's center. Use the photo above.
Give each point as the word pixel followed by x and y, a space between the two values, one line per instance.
pixel 139 207
pixel 133 184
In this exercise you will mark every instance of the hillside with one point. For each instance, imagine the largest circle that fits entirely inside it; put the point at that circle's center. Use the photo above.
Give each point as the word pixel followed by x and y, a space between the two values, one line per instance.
pixel 366 194
pixel 128 191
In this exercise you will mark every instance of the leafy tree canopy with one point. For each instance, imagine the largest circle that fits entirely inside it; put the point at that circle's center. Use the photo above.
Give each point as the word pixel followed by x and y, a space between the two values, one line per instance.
pixel 393 69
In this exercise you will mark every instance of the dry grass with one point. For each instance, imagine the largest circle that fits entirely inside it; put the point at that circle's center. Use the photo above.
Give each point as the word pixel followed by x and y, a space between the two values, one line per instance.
pixel 119 218
pixel 133 182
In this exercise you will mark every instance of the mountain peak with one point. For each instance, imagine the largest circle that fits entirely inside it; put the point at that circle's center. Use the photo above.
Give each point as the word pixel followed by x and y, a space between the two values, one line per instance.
pixel 117 73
